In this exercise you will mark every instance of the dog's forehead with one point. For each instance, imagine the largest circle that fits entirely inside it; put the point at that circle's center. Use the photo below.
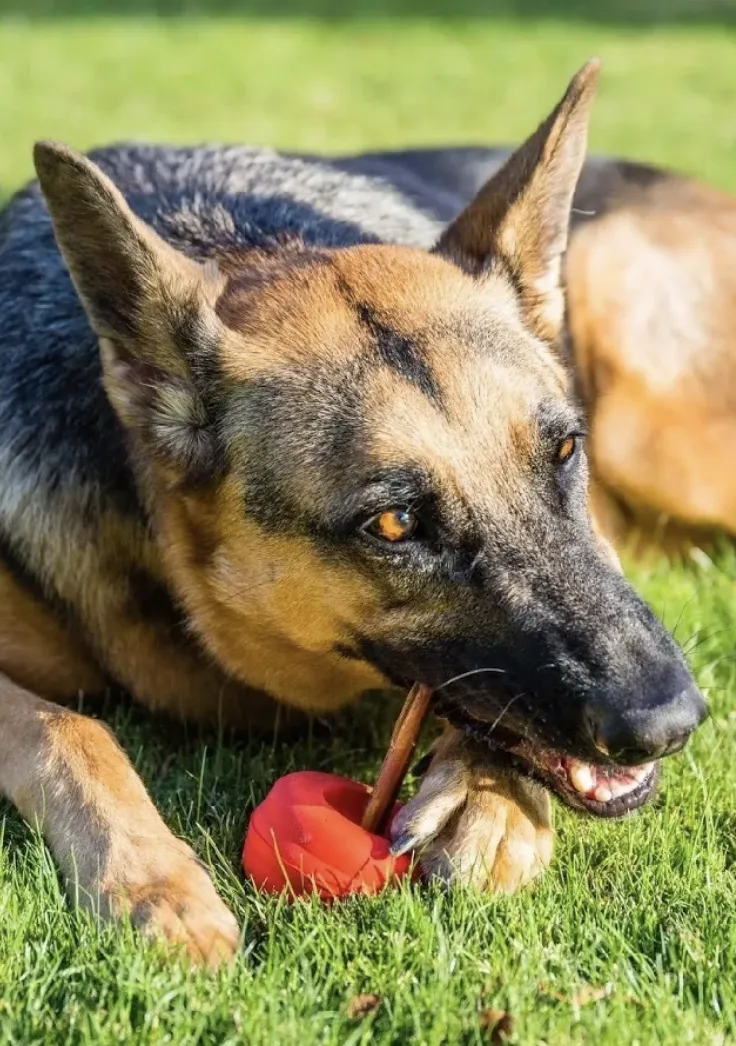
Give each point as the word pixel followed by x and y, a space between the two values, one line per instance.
pixel 311 307
pixel 480 428
pixel 352 360
pixel 414 290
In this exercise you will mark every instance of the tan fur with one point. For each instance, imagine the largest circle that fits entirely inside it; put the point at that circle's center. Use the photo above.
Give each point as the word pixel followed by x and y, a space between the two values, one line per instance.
pixel 38 651
pixel 165 670
pixel 269 607
pixel 283 312
pixel 486 428
pixel 652 309
pixel 301 309
pixel 479 824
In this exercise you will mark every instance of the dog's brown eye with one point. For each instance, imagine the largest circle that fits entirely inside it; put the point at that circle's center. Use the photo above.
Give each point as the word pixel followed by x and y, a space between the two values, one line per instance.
pixel 566 449
pixel 397 524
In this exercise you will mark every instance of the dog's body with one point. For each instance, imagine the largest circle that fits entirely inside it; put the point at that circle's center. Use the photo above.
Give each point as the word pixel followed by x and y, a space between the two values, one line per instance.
pixel 157 533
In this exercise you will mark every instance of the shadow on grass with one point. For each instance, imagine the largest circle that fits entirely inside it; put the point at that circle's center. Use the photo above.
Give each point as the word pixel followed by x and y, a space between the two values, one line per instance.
pixel 596 12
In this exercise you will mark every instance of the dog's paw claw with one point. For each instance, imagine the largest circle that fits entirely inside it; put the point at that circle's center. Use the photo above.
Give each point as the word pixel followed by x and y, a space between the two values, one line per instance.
pixel 402 844
pixel 443 792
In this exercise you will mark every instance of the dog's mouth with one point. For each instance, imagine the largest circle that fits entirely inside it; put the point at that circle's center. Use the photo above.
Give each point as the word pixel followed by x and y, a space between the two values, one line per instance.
pixel 603 790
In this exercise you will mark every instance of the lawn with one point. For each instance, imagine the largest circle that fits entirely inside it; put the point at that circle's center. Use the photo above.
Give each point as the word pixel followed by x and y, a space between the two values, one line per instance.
pixel 631 937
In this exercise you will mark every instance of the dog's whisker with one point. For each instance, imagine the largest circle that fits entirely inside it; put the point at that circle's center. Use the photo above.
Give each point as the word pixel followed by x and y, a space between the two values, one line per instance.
pixel 469 694
pixel 504 711
pixel 464 675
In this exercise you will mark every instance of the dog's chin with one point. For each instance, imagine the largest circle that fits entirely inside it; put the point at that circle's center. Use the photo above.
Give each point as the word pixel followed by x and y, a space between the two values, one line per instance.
pixel 602 790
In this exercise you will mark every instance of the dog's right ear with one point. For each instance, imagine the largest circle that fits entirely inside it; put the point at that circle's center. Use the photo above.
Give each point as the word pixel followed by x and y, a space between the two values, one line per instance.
pixel 151 306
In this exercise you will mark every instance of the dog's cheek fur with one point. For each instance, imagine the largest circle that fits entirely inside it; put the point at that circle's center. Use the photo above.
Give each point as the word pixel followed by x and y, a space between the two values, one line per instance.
pixel 271 608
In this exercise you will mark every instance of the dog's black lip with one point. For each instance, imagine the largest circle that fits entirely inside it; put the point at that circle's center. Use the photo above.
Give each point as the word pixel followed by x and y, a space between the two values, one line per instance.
pixel 614 808
pixel 502 742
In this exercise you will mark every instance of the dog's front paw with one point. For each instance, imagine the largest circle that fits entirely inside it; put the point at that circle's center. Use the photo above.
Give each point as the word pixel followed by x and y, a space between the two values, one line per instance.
pixel 474 823
pixel 171 896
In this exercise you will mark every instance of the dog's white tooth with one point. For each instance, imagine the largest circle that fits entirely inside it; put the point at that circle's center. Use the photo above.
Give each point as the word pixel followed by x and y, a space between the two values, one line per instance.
pixel 620 787
pixel 639 773
pixel 581 777
pixel 603 794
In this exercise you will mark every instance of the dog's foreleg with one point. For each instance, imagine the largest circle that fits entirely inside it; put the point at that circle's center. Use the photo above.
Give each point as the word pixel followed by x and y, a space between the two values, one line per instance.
pixel 67 774
pixel 474 822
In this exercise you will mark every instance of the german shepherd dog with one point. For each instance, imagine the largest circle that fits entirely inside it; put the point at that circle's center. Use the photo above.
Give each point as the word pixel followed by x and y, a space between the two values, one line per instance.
pixel 277 429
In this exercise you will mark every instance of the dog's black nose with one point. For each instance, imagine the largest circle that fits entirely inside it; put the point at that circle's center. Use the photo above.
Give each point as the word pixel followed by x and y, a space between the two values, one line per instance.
pixel 632 736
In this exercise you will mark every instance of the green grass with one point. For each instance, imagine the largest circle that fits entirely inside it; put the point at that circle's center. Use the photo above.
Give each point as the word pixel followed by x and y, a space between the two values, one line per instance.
pixel 647 906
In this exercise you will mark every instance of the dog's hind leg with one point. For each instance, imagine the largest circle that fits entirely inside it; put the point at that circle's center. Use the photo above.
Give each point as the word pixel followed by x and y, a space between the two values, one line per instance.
pixel 66 774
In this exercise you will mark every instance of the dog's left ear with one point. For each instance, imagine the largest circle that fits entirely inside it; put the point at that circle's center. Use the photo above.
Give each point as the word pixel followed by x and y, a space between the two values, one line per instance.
pixel 517 225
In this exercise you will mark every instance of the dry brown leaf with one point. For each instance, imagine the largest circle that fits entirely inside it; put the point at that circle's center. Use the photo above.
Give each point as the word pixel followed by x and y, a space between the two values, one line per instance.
pixel 360 1005
pixel 582 997
pixel 499 1023
pixel 590 994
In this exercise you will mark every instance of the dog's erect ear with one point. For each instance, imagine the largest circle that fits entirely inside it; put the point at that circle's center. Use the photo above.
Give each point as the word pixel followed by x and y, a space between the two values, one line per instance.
pixel 518 223
pixel 149 305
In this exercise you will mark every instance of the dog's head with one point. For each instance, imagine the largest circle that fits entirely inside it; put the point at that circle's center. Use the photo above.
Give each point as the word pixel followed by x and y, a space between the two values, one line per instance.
pixel 366 467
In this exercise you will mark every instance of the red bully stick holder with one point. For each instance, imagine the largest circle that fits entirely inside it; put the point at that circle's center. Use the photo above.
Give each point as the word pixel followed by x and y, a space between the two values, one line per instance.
pixel 318 833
